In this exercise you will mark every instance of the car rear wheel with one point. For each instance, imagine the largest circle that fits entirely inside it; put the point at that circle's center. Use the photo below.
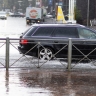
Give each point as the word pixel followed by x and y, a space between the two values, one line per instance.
pixel 45 53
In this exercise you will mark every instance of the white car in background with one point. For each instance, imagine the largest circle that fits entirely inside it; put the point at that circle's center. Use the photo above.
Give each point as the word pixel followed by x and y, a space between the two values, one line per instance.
pixel 49 15
pixel 10 13
pixel 3 15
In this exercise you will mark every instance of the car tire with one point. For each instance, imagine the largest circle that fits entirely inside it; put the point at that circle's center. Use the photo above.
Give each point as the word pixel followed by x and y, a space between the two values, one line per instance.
pixel 43 20
pixel 46 53
pixel 27 23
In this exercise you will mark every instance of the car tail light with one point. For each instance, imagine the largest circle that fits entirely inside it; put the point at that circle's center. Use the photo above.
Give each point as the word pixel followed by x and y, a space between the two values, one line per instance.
pixel 24 41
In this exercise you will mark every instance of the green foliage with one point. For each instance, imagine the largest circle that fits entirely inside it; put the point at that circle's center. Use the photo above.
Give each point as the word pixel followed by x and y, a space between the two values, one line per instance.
pixel 78 16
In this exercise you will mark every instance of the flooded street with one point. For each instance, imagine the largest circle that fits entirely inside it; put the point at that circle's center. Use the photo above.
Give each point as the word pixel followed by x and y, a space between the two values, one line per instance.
pixel 37 82
pixel 50 80
pixel 12 27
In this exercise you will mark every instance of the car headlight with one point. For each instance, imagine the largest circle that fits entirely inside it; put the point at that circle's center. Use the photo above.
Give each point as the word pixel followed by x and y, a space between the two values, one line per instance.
pixel 27 20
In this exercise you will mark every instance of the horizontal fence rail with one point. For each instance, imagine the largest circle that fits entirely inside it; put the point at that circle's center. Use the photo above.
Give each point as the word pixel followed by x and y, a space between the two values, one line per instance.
pixel 11 55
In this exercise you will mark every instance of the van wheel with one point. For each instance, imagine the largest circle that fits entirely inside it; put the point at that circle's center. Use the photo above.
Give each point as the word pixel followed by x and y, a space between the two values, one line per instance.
pixel 46 53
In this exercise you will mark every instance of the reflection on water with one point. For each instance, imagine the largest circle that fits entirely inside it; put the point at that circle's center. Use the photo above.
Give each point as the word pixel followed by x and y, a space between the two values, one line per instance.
pixel 7 81
pixel 47 83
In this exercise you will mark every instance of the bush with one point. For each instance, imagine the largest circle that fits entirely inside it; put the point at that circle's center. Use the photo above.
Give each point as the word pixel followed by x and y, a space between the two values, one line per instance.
pixel 78 16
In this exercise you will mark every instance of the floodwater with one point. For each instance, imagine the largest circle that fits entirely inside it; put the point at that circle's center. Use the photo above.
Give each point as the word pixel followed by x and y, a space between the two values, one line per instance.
pixel 12 27
pixel 37 82
pixel 52 81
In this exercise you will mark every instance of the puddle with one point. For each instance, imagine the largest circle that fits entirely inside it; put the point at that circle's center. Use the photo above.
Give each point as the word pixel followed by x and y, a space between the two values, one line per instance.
pixel 37 82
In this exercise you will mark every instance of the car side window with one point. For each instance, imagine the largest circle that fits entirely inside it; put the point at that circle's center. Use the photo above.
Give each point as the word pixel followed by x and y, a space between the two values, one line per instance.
pixel 44 31
pixel 85 33
pixel 30 31
pixel 66 32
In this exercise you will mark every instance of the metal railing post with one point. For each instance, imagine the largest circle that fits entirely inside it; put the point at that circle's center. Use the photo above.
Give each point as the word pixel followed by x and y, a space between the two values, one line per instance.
pixel 38 55
pixel 69 54
pixel 7 54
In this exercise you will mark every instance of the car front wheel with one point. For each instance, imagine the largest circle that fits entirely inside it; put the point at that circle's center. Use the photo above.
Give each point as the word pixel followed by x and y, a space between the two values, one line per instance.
pixel 46 53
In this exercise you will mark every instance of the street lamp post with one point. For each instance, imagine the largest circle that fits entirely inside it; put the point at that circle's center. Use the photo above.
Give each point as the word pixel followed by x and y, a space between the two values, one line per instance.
pixel 88 13
pixel 71 11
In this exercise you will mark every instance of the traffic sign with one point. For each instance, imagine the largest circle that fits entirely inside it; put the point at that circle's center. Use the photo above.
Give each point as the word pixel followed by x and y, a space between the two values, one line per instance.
pixel 50 2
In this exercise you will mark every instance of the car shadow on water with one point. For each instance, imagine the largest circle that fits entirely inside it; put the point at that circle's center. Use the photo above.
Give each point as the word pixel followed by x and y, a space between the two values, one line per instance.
pixel 49 82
